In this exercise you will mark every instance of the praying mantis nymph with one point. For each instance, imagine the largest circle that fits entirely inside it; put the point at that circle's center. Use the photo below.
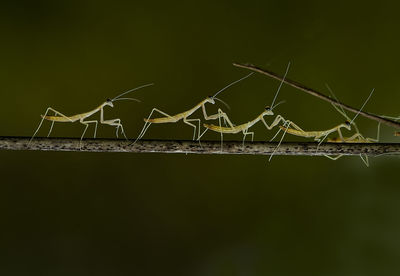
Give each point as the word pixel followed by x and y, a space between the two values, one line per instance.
pixel 59 117
pixel 355 138
pixel 184 115
pixel 320 136
pixel 232 129
pixel 244 128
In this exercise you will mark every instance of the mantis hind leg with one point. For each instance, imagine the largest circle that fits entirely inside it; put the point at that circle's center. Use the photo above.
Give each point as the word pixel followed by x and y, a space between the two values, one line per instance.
pixel 364 159
pixel 223 115
pixel 288 123
pixel 220 127
pixel 43 117
pixel 187 121
pixel 201 135
pixel 293 125
pixel 378 134
pixel 227 123
pixel 333 157
pixel 321 140
pixel 147 124
pixel 51 128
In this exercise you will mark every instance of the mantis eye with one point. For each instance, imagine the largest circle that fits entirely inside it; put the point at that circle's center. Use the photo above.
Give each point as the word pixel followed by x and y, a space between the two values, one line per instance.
pixel 347 123
pixel 108 100
pixel 268 108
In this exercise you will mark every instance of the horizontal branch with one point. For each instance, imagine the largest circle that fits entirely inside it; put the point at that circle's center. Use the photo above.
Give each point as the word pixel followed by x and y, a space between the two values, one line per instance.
pixel 206 147
pixel 317 94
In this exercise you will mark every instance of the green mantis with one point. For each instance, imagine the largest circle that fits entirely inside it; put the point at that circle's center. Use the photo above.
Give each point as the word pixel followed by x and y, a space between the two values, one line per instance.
pixel 184 116
pixel 321 135
pixel 81 117
pixel 244 128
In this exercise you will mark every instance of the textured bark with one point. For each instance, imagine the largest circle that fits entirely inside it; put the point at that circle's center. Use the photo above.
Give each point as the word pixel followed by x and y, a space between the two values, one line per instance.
pixel 206 147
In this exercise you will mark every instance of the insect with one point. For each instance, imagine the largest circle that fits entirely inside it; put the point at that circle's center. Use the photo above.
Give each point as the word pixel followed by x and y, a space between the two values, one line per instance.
pixel 355 138
pixel 320 136
pixel 244 128
pixel 59 117
pixel 184 115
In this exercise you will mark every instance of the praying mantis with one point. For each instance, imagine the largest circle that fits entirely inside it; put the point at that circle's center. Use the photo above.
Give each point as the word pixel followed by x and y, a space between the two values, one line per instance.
pixel 320 136
pixel 184 115
pixel 244 128
pixel 59 117
pixel 355 138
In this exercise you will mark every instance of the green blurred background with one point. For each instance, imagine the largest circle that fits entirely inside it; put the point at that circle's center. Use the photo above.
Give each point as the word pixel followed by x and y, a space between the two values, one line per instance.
pixel 154 214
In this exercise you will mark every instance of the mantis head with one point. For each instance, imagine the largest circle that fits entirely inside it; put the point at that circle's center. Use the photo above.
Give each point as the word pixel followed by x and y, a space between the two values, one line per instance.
pixel 210 99
pixel 268 111
pixel 109 102
pixel 347 125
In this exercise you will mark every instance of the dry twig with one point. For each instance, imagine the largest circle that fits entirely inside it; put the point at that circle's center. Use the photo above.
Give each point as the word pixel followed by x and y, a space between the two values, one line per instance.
pixel 317 94
pixel 207 147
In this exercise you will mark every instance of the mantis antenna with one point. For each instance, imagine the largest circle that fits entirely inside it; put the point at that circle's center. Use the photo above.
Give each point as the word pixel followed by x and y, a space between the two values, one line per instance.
pixel 281 102
pixel 358 113
pixel 233 83
pixel 226 87
pixel 129 91
pixel 131 99
pixel 227 105
pixel 280 85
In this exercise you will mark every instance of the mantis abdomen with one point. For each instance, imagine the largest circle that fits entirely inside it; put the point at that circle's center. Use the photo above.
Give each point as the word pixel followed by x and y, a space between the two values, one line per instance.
pixel 161 120
pixel 215 128
pixel 61 119
pixel 301 133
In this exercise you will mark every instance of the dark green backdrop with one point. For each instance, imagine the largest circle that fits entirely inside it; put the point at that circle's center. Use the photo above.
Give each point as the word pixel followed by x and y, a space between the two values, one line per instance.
pixel 153 214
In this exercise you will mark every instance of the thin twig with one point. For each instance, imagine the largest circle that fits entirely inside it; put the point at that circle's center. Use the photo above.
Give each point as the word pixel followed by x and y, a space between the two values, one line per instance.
pixel 317 94
pixel 206 147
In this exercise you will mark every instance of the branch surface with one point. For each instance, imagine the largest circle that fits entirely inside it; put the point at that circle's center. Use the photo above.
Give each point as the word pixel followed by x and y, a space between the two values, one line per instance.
pixel 206 147
pixel 317 94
